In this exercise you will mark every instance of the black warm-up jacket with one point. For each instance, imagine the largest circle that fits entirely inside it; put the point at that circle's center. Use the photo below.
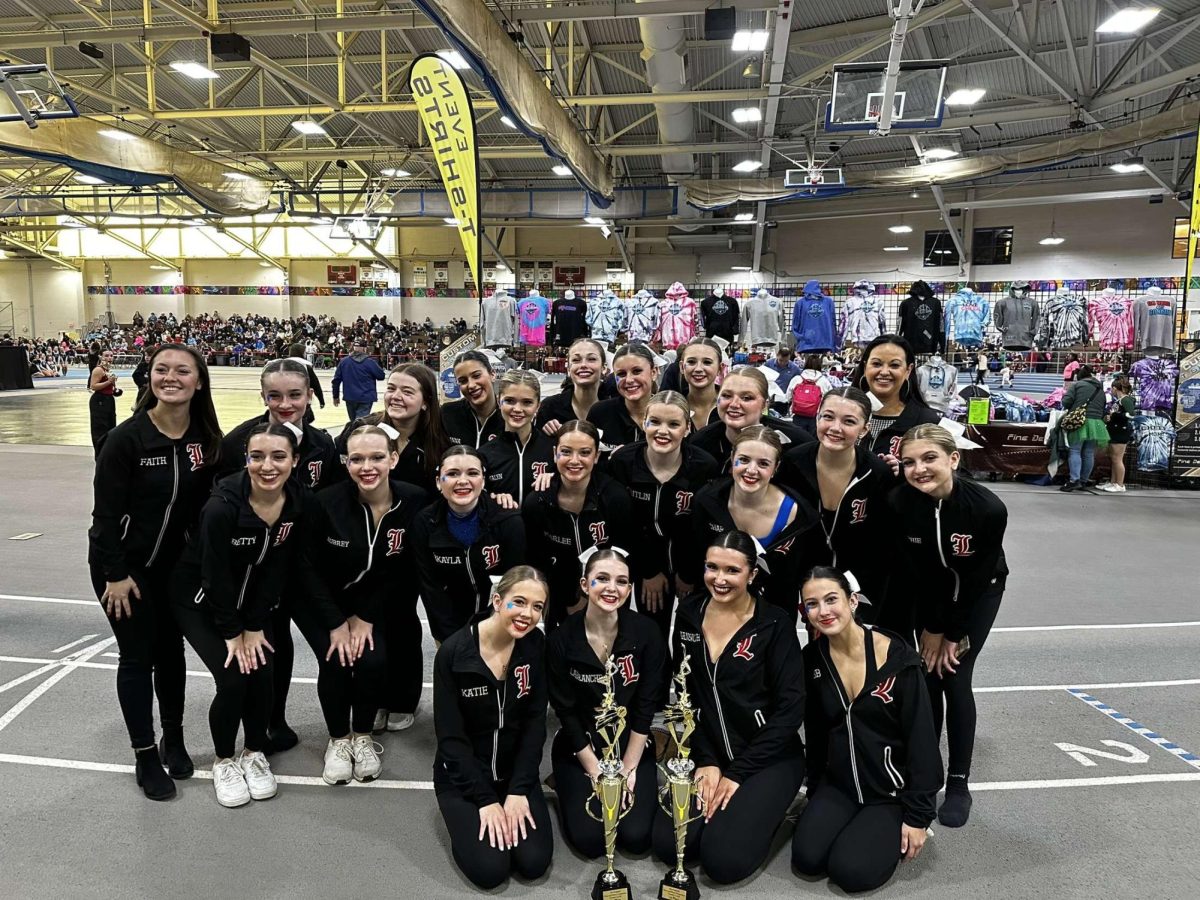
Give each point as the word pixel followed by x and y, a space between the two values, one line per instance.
pixel 318 466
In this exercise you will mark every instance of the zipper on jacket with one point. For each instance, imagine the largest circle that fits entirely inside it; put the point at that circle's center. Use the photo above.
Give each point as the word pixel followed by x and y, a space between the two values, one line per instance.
pixel 521 468
pixel 578 542
pixel 250 568
pixel 471 575
pixel 499 725
pixel 848 705
pixel 371 539
pixel 166 515
pixel 837 512
pixel 890 768
pixel 937 523
pixel 720 712
pixel 657 497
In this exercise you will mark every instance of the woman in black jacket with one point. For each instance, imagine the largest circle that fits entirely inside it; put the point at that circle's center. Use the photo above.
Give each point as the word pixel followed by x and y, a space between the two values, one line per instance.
pixel 475 419
pixel 257 528
pixel 584 386
pixel 742 402
pixel 887 371
pixel 874 768
pixel 521 453
pixel 952 532
pixel 152 477
pixel 619 419
pixel 366 559
pixel 576 656
pixel 662 475
pixel 460 542
pixel 749 500
pixel 581 508
pixel 700 361
pixel 747 683
pixel 848 486
pixel 489 712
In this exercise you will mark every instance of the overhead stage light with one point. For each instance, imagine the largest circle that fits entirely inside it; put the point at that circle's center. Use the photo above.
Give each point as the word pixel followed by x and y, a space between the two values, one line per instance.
pixel 750 41
pixel 1129 19
pixel 900 229
pixel 747 114
pixel 894 249
pixel 938 153
pixel 748 165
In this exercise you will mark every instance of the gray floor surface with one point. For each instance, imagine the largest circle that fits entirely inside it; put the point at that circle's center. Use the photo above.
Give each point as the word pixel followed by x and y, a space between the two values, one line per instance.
pixel 1044 824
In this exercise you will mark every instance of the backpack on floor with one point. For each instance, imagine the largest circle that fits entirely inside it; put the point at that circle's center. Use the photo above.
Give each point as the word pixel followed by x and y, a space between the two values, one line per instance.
pixel 806 398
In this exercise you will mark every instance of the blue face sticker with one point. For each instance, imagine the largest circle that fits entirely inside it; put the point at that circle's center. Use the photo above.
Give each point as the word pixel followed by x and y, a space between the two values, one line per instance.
pixel 738 465
pixel 509 605
pixel 595 582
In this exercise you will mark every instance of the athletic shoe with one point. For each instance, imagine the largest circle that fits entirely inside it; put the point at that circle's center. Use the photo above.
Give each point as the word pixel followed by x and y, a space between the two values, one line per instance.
pixel 339 764
pixel 366 758
pixel 230 784
pixel 280 738
pixel 151 778
pixel 956 808
pixel 400 721
pixel 380 726
pixel 174 754
pixel 1070 486
pixel 257 771
pixel 1114 488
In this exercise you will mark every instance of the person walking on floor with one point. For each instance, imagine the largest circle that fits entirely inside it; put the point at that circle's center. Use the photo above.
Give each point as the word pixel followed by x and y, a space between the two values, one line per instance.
pixel 1087 392
pixel 981 368
pixel 358 374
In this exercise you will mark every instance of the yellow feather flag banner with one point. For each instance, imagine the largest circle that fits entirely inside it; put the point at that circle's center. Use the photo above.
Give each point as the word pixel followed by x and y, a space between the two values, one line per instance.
pixel 445 110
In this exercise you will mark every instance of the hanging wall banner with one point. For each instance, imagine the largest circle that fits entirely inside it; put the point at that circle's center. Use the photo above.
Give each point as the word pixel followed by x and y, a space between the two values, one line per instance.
pixel 445 110
pixel 420 275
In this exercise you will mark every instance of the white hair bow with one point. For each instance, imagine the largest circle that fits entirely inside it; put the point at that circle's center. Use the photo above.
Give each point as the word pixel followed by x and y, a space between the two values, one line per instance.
pixel 592 550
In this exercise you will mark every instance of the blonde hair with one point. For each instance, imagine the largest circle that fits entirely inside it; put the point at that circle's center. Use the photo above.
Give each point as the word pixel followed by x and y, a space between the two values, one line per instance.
pixel 515 576
pixel 519 378
pixel 672 398
pixel 934 434
pixel 366 430
pixel 759 379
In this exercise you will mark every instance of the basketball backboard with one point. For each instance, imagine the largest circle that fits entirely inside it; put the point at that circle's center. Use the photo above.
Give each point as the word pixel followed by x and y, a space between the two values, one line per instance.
pixel 363 228
pixel 813 178
pixel 31 93
pixel 858 90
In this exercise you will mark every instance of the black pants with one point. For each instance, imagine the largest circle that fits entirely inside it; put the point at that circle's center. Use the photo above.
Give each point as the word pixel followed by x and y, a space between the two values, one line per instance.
pixel 952 696
pixel 735 843
pixel 240 699
pixel 857 846
pixel 349 695
pixel 574 787
pixel 151 662
pixel 405 663
pixel 981 376
pixel 102 412
pixel 484 865
pixel 285 658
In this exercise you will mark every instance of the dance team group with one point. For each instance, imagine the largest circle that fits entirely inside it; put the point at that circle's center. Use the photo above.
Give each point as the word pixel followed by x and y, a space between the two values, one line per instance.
pixel 544 537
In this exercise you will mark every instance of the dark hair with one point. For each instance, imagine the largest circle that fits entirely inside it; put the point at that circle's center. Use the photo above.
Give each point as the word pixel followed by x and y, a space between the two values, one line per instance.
pixel 853 394
pixel 474 356
pixel 430 434
pixel 271 429
pixel 286 366
pixel 201 409
pixel 603 556
pixel 462 450
pixel 1083 372
pixel 827 573
pixel 641 351
pixel 295 350
pixel 582 426
pixel 739 541
pixel 813 361
pixel 1121 383
pixel 858 377
pixel 702 342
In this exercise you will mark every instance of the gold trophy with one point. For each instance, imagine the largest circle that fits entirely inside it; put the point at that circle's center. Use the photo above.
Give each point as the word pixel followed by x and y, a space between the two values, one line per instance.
pixel 678 794
pixel 610 789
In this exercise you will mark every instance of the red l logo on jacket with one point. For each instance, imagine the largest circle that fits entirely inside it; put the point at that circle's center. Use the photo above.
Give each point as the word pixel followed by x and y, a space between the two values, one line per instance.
pixel 883 690
pixel 743 648
pixel 521 673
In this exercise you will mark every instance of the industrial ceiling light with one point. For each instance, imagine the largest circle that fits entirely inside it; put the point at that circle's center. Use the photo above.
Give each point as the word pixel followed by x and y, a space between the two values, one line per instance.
pixel 936 153
pixel 747 114
pixel 395 173
pixel 89 179
pixel 965 96
pixel 159 267
pixel 89 49
pixel 501 267
pixel 193 69
pixel 238 176
pixel 1129 19
pixel 507 121
pixel 753 70
pixel 900 229
pixel 916 195
pixel 1052 239
pixel 748 165
pixel 454 58
pixel 308 126
pixel 894 249
pixel 1129 166
pixel 116 134
pixel 560 171
pixel 744 217
pixel 750 41
pixel 740 268
pixel 68 222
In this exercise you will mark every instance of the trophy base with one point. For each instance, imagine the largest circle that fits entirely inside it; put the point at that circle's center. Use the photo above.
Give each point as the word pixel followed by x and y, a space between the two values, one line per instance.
pixel 615 889
pixel 670 889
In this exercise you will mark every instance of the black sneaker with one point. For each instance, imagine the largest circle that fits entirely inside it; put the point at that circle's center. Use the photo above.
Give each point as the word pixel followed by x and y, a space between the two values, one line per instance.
pixel 279 739
pixel 1070 486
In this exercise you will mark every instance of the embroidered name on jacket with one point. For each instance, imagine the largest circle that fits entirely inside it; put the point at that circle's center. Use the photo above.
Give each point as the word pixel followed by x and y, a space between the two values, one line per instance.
pixel 475 692
pixel 336 543
pixel 243 542
pixel 447 560
pixel 689 636
pixel 154 460
pixel 587 679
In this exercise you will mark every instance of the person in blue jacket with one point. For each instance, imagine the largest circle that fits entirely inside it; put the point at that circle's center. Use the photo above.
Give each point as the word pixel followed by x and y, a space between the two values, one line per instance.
pixel 358 372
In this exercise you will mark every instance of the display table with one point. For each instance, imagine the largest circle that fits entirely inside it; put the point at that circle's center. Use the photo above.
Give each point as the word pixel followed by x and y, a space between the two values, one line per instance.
pixel 1013 448
pixel 14 369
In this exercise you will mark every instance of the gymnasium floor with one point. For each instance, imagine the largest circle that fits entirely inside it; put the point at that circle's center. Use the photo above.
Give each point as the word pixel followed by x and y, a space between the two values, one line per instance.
pixel 1098 642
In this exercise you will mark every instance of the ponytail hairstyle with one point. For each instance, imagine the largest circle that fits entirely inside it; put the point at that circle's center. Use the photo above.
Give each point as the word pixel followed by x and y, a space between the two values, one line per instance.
pixel 285 366
pixel 475 356
pixel 273 429
pixel 761 433
pixel 519 378
pixel 201 410
pixel 640 350
pixel 759 379
pixel 854 395
pixel 363 430
pixel 828 573
pixel 705 342
pixel 740 542
pixel 603 556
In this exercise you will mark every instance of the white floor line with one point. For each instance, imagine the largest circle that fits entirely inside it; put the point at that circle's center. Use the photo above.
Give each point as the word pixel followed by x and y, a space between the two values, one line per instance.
pixel 1020 688
pixel 394 784
pixel 49 600
pixel 1120 626
pixel 68 665
pixel 75 643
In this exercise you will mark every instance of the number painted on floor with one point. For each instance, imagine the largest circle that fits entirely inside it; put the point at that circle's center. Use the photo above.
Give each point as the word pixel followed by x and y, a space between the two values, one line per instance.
pixel 1083 755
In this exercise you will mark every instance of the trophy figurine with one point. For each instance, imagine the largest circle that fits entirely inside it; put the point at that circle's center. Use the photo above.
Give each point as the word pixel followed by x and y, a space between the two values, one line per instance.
pixel 679 792
pixel 610 789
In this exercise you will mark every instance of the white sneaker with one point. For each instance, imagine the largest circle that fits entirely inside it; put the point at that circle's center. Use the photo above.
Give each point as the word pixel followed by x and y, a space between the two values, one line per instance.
pixel 339 763
pixel 400 721
pixel 257 771
pixel 1116 488
pixel 366 758
pixel 230 784
pixel 381 721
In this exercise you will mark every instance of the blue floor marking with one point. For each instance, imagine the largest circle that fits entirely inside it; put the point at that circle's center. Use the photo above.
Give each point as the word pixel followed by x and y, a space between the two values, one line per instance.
pixel 1137 728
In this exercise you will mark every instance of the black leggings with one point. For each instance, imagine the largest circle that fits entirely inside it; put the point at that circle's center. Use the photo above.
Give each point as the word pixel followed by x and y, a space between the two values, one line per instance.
pixel 344 690
pixel 857 846
pixel 151 661
pixel 487 867
pixel 574 787
pixel 285 658
pixel 102 412
pixel 405 663
pixel 240 699
pixel 735 843
pixel 952 696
